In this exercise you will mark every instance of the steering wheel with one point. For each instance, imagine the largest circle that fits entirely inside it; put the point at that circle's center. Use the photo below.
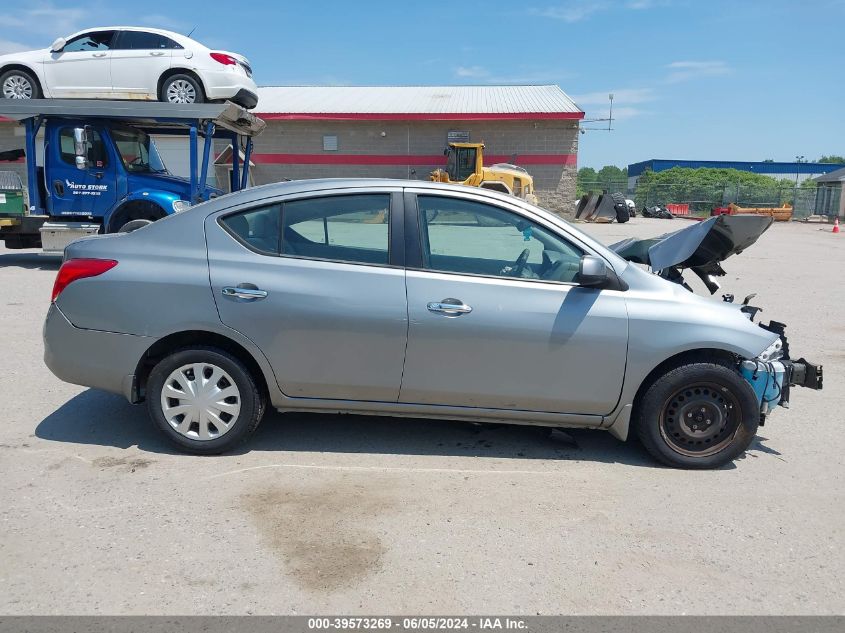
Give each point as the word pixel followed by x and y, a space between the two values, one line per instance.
pixel 518 265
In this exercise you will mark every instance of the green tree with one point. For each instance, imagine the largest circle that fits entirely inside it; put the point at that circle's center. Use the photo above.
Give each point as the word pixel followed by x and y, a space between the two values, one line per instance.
pixel 586 178
pixel 706 188
pixel 833 158
pixel 608 177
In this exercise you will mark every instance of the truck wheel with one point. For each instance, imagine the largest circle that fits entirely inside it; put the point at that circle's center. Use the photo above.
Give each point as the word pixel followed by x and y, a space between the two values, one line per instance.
pixel 19 84
pixel 204 400
pixel 133 225
pixel 181 89
pixel 701 415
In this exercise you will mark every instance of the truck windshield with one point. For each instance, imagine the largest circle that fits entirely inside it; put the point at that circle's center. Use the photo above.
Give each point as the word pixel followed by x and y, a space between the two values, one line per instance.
pixel 138 151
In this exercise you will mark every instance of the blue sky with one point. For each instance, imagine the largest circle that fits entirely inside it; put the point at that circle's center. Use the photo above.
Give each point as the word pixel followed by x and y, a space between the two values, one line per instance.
pixel 692 79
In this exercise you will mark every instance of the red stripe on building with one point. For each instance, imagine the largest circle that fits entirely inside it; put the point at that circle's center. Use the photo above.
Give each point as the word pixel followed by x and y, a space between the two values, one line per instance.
pixel 420 116
pixel 394 159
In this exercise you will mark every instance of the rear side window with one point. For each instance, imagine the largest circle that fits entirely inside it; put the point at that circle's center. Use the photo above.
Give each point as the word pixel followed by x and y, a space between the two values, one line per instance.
pixel 257 228
pixel 353 228
pixel 141 40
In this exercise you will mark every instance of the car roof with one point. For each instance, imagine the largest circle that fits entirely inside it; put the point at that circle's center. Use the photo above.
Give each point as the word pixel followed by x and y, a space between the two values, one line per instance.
pixel 171 34
pixel 327 184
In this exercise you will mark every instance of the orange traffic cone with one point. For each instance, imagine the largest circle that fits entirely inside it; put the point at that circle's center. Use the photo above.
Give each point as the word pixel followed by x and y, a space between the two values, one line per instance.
pixel 836 225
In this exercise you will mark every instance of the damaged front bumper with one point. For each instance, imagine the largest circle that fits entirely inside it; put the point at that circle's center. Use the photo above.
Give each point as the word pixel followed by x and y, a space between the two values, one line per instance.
pixel 773 373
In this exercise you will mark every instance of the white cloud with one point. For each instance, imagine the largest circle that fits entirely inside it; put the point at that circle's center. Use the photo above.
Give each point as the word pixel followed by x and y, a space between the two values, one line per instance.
pixel 45 19
pixel 160 21
pixel 686 70
pixel 7 46
pixel 471 72
pixel 571 11
pixel 597 104
pixel 621 96
pixel 576 10
pixel 484 76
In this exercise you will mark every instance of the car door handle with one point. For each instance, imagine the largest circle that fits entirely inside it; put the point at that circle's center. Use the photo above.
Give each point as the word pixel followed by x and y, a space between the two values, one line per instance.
pixel 250 294
pixel 157 53
pixel 449 307
pixel 99 55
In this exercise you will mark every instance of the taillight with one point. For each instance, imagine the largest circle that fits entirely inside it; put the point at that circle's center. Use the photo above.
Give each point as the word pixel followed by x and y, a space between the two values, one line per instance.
pixel 74 269
pixel 223 58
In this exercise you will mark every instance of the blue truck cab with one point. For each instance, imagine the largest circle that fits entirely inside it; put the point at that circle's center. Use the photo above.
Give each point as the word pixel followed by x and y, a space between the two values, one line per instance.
pixel 121 178
pixel 102 173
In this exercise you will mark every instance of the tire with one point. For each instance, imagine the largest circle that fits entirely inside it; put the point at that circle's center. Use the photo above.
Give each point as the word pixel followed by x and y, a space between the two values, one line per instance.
pixel 698 416
pixel 19 84
pixel 202 434
pixel 181 88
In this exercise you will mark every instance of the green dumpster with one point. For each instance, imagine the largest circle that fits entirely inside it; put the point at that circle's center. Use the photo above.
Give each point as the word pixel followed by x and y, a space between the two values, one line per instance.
pixel 11 194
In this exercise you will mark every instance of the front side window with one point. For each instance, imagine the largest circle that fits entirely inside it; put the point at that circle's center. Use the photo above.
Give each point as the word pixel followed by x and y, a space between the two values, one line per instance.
pixel 141 40
pixel 97 156
pixel 94 41
pixel 137 151
pixel 352 228
pixel 462 236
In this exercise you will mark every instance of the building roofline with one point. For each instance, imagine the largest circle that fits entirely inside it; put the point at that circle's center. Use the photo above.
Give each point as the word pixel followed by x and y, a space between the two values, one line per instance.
pixel 420 116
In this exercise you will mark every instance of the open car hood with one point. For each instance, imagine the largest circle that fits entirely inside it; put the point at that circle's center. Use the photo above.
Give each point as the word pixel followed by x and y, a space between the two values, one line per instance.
pixel 700 247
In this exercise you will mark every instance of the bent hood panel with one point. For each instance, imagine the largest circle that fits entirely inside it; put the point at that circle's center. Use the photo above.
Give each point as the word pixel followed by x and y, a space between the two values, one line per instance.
pixel 704 244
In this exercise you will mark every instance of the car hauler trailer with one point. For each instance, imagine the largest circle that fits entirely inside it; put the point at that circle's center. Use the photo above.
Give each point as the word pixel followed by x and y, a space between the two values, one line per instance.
pixel 101 171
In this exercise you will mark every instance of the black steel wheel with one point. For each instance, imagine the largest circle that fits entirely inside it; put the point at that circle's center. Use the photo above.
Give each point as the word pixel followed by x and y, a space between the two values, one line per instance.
pixel 699 415
pixel 700 419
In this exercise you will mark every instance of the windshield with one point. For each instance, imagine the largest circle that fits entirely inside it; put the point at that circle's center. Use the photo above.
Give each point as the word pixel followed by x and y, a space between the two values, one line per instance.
pixel 138 151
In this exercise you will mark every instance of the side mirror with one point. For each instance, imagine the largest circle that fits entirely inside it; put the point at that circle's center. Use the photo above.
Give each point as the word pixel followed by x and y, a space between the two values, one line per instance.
pixel 58 45
pixel 83 140
pixel 592 272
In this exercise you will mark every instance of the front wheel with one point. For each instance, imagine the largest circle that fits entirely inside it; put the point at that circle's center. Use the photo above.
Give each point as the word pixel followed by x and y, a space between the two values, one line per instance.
pixel 700 415
pixel 204 400
pixel 19 84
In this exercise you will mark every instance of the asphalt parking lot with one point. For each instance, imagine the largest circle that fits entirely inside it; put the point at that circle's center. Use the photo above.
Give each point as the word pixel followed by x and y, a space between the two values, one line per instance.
pixel 357 515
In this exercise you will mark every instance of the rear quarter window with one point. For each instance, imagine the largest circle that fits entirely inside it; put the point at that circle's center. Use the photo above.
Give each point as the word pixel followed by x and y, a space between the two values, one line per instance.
pixel 257 228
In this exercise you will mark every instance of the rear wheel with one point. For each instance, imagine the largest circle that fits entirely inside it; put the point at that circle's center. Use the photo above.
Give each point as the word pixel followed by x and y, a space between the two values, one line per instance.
pixel 701 415
pixel 204 400
pixel 181 89
pixel 19 84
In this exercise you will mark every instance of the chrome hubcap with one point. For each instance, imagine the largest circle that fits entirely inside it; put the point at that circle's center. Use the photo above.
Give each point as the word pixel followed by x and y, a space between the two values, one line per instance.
pixel 17 87
pixel 181 91
pixel 200 401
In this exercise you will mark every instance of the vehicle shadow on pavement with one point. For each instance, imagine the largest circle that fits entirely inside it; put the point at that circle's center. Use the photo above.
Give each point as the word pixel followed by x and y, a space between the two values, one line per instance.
pixel 101 419
pixel 30 260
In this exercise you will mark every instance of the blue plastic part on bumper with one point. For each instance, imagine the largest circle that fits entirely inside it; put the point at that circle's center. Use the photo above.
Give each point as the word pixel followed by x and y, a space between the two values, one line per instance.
pixel 767 381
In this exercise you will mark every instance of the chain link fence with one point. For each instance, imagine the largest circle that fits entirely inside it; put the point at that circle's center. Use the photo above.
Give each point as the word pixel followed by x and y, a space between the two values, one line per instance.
pixel 703 199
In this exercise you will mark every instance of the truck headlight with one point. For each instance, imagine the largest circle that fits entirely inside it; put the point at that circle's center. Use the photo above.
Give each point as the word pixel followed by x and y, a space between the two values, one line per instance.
pixel 772 352
pixel 180 205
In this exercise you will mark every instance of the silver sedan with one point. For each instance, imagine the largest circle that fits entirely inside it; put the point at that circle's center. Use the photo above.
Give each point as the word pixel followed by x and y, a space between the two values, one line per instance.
pixel 406 298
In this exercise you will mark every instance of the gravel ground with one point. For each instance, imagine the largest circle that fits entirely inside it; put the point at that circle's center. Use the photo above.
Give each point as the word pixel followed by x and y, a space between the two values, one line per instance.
pixel 378 515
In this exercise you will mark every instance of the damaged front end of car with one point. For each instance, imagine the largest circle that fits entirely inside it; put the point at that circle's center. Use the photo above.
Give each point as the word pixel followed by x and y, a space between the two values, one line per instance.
pixel 701 248
pixel 773 373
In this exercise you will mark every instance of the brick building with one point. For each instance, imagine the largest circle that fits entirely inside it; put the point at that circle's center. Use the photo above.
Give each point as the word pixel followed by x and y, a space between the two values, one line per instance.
pixel 399 132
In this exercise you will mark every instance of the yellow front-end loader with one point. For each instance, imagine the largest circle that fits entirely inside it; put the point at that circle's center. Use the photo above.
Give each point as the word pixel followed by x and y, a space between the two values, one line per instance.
pixel 465 166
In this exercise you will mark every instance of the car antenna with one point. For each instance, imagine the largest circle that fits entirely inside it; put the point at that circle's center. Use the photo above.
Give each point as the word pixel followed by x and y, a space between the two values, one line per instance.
pixel 192 32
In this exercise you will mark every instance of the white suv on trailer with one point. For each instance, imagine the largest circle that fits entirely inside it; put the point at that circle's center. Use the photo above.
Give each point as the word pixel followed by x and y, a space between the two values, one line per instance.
pixel 125 62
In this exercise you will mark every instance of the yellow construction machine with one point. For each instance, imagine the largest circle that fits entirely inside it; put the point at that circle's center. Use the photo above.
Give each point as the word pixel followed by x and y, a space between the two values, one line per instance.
pixel 465 166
